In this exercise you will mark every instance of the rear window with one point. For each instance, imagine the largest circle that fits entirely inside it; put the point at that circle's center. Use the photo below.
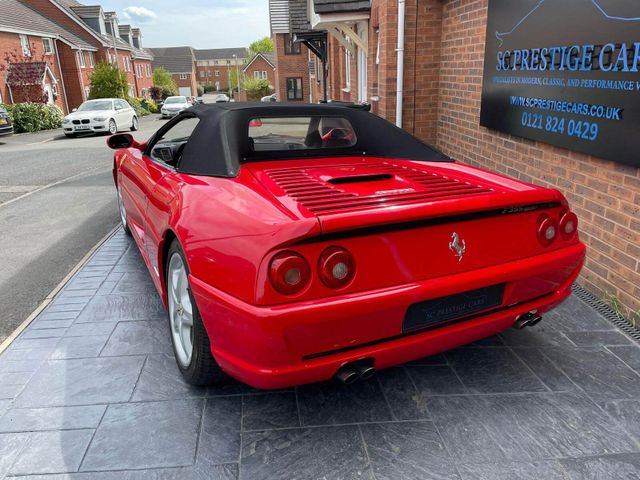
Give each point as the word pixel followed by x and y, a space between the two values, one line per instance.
pixel 300 133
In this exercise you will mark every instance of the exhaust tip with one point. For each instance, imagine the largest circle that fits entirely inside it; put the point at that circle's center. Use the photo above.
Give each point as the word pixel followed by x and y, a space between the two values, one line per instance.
pixel 527 320
pixel 347 375
pixel 367 372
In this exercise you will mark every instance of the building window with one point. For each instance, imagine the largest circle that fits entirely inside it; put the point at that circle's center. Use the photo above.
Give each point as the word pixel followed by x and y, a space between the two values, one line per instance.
pixel 260 75
pixel 81 59
pixel 47 45
pixel 184 76
pixel 92 60
pixel 24 43
pixel 291 47
pixel 127 64
pixel 347 69
pixel 203 73
pixel 148 70
pixel 294 88
pixel 217 73
pixel 86 92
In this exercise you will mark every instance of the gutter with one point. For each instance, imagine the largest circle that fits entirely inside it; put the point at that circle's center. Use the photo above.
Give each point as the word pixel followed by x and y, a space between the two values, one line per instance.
pixel 400 63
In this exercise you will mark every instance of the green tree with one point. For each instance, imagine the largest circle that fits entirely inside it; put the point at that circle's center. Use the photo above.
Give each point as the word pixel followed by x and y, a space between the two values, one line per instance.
pixel 108 81
pixel 163 80
pixel 255 88
pixel 264 45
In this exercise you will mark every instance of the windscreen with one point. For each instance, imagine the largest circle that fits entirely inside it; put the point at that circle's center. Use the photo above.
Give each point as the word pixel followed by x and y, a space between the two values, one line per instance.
pixel 300 133
pixel 95 106
pixel 176 100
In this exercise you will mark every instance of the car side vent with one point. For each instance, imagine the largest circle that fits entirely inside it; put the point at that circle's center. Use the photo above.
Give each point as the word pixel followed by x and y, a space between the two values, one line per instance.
pixel 361 178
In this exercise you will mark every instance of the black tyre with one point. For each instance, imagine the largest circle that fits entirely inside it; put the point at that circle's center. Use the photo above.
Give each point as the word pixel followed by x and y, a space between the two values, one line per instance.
pixel 134 124
pixel 190 341
pixel 123 213
pixel 113 127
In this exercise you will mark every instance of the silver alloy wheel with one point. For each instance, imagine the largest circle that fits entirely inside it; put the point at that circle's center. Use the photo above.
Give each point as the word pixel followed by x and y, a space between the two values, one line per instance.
pixel 113 128
pixel 180 310
pixel 123 212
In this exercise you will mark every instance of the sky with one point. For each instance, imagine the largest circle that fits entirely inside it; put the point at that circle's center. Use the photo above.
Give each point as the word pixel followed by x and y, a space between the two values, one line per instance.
pixel 196 23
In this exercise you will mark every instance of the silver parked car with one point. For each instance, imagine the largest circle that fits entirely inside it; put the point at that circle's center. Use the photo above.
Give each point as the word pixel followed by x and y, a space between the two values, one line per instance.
pixel 173 106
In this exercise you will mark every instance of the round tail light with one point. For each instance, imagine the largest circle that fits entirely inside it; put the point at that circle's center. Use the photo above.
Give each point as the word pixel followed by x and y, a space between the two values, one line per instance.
pixel 547 230
pixel 568 225
pixel 336 267
pixel 289 272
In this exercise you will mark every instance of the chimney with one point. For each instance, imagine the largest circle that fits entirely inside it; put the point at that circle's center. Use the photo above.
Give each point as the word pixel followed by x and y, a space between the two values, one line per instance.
pixel 136 37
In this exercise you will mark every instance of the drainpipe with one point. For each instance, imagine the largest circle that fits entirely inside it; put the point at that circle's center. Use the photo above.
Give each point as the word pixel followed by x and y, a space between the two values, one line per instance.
pixel 400 63
pixel 64 88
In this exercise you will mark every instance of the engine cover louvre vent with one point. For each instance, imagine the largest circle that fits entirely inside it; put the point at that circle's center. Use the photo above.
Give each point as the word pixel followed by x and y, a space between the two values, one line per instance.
pixel 339 188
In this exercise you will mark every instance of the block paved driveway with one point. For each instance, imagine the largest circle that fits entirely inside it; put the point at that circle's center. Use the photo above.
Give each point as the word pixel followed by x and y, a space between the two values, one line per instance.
pixel 91 387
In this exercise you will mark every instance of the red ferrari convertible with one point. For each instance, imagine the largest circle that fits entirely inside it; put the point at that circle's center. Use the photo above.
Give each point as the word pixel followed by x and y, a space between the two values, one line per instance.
pixel 296 243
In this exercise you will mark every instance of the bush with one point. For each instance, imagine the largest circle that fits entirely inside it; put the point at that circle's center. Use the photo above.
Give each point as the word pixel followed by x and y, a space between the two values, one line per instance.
pixel 209 88
pixel 150 105
pixel 138 106
pixel 107 81
pixel 200 91
pixel 163 79
pixel 256 89
pixel 33 117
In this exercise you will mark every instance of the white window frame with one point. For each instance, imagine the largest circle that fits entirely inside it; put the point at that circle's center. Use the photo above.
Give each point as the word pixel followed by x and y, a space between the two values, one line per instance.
pixel 81 61
pixel 217 73
pixel 347 69
pixel 92 59
pixel 148 70
pixel 24 43
pixel 260 74
pixel 184 76
pixel 47 45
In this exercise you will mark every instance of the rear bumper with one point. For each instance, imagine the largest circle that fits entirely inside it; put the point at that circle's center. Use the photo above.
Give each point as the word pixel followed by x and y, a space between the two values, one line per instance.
pixel 270 347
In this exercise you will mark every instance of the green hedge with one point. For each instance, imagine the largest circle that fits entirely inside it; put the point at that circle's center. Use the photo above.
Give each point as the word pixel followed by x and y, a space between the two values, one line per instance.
pixel 33 117
pixel 138 106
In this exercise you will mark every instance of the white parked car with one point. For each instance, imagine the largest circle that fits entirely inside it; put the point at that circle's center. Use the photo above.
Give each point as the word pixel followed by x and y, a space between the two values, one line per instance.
pixel 173 106
pixel 104 115
pixel 270 98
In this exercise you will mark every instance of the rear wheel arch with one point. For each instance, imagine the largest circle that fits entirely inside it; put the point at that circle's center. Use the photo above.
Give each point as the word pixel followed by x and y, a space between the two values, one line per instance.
pixel 167 239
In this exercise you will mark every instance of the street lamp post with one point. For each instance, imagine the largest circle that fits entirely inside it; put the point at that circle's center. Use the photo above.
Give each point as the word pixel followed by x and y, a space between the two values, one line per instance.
pixel 235 59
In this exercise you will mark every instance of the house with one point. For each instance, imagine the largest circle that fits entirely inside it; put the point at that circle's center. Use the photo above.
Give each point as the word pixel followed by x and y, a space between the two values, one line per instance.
pixel 420 65
pixel 82 35
pixel 181 63
pixel 261 67
pixel 39 59
pixel 214 66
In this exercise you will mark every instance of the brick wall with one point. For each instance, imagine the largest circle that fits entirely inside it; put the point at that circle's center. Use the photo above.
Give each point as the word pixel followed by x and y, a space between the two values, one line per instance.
pixel 143 81
pixel 604 194
pixel 190 81
pixel 206 75
pixel 10 42
pixel 291 66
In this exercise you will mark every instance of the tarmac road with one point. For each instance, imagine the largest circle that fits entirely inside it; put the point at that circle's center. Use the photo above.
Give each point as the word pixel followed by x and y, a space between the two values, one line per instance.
pixel 56 201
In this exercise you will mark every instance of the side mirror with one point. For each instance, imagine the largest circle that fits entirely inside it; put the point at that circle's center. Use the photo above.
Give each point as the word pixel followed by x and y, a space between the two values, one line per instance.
pixel 121 140
pixel 74 110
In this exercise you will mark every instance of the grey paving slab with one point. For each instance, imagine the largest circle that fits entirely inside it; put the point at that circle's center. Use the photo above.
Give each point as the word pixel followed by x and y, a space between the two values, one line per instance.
pixel 332 403
pixel 11 444
pixel 212 472
pixel 49 324
pixel 4 406
pixel 573 315
pixel 626 413
pixel 220 431
pixel 493 370
pixel 54 332
pixel 436 380
pixel 629 354
pixel 589 339
pixel 9 366
pixel 54 418
pixel 138 337
pixel 269 411
pixel 404 400
pixel 331 453
pixel 547 470
pixel 547 371
pixel 540 336
pixel 91 329
pixel 79 347
pixel 82 382
pixel 165 435
pixel 607 467
pixel 407 450
pixel 135 282
pixel 52 452
pixel 34 343
pixel 10 391
pixel 123 307
pixel 161 380
pixel 597 371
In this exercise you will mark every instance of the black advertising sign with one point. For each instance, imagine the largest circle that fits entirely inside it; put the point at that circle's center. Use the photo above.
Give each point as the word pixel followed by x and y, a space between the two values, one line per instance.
pixel 565 72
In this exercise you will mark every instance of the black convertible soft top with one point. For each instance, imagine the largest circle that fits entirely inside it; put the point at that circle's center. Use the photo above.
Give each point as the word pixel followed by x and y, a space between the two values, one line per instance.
pixel 220 143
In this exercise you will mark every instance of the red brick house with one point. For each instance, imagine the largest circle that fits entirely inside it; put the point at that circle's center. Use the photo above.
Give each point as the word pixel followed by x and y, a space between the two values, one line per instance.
pixel 436 95
pixel 214 66
pixel 262 67
pixel 28 37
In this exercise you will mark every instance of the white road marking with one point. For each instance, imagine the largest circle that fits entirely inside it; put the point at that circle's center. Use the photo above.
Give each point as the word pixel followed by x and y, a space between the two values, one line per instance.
pixel 53 184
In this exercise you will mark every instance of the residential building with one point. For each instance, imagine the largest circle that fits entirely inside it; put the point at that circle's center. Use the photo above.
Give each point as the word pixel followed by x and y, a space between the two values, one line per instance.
pixel 431 84
pixel 74 38
pixel 261 67
pixel 181 63
pixel 214 66
pixel 39 59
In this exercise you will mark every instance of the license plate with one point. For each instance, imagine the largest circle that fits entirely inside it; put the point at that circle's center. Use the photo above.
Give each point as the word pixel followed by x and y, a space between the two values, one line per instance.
pixel 445 309
pixel 83 127
pixel 3 121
